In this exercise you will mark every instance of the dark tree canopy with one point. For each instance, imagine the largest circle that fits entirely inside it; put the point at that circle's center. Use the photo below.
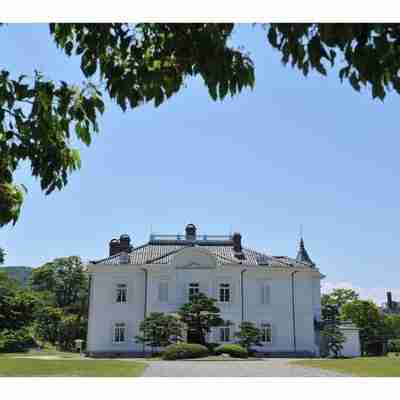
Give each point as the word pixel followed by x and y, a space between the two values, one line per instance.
pixel 199 315
pixel 140 63
pixel 65 280
pixel 338 298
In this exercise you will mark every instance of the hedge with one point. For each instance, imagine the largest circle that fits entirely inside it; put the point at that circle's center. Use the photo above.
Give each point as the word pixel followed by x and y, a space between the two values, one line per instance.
pixel 234 350
pixel 184 350
pixel 15 341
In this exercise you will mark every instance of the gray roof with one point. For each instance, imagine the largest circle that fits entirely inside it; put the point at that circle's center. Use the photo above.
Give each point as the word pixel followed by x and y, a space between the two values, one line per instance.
pixel 163 253
pixel 302 255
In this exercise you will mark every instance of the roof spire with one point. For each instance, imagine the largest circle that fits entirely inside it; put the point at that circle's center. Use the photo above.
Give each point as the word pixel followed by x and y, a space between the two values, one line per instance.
pixel 302 255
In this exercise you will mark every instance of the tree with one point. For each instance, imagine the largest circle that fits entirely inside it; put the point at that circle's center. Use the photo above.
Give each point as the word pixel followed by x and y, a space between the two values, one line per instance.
pixel 2 255
pixel 339 297
pixel 159 330
pixel 365 315
pixel 368 54
pixel 62 286
pixel 248 335
pixel 329 312
pixel 48 323
pixel 333 337
pixel 17 306
pixel 391 326
pixel 199 315
pixel 134 63
pixel 65 280
pixel 54 325
pixel 140 63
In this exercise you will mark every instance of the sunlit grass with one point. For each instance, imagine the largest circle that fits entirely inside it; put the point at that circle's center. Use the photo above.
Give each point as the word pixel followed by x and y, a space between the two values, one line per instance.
pixel 362 366
pixel 27 367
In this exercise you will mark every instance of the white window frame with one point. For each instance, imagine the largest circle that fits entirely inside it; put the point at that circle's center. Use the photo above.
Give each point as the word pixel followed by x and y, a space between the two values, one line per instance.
pixel 118 326
pixel 265 327
pixel 166 288
pixel 225 292
pixel 224 334
pixel 121 288
pixel 193 289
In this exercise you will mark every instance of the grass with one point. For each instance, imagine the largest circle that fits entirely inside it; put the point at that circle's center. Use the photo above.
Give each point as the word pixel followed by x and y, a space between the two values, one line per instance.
pixel 29 367
pixel 362 366
pixel 64 364
pixel 45 352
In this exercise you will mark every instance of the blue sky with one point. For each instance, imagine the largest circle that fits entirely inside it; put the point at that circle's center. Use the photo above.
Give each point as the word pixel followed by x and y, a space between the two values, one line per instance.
pixel 292 151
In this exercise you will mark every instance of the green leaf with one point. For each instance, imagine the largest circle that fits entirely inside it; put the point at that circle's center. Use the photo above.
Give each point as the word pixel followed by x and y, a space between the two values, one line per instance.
pixel 223 89
pixel 83 133
pixel 272 37
pixel 212 90
pixel 68 48
pixel 354 82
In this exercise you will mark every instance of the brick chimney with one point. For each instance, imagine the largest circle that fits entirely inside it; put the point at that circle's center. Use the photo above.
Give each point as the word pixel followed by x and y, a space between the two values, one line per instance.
pixel 125 243
pixel 114 247
pixel 237 242
pixel 121 245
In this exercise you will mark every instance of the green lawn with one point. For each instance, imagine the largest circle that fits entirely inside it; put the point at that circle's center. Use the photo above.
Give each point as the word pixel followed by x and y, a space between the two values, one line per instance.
pixel 27 366
pixel 363 366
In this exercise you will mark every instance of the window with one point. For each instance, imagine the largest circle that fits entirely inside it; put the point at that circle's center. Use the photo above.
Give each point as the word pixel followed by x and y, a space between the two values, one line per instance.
pixel 121 293
pixel 224 334
pixel 119 333
pixel 224 293
pixel 265 293
pixel 163 292
pixel 193 290
pixel 266 333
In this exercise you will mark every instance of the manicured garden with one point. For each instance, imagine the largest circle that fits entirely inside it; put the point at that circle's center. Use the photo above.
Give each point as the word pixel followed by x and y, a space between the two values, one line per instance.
pixel 361 366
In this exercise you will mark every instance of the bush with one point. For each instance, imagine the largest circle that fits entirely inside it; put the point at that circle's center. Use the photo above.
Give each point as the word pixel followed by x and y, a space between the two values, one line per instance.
pixel 394 346
pixel 212 346
pixel 184 350
pixel 234 350
pixel 15 341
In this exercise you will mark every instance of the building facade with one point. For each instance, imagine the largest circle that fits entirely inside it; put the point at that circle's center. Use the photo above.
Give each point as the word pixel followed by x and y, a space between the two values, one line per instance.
pixel 281 295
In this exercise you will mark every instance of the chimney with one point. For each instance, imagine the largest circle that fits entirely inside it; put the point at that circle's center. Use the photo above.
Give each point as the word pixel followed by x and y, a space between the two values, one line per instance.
pixel 125 243
pixel 190 232
pixel 237 242
pixel 114 247
pixel 389 300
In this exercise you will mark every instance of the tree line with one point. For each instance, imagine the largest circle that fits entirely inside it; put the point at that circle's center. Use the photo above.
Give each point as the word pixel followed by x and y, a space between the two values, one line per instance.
pixel 52 309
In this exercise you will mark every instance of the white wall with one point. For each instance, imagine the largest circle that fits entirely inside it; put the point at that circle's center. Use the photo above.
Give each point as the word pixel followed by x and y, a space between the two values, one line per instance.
pixel 197 266
pixel 351 347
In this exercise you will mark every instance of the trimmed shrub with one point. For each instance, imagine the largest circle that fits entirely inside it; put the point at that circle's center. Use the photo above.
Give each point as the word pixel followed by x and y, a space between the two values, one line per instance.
pixel 184 350
pixel 234 350
pixel 15 341
pixel 394 346
pixel 212 346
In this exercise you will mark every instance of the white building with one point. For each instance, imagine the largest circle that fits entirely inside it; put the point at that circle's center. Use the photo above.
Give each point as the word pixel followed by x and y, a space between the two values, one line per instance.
pixel 281 295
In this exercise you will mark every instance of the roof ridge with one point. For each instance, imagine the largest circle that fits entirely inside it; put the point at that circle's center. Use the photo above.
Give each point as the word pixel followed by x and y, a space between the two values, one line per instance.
pixel 108 258
pixel 166 254
pixel 139 247
pixel 227 258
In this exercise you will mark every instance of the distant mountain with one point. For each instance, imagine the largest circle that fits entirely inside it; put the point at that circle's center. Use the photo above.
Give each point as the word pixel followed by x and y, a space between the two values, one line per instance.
pixel 20 273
